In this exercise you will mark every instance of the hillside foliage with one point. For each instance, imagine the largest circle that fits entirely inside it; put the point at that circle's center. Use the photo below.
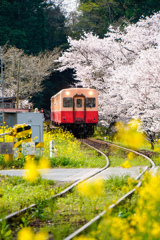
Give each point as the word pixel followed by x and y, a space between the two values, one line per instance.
pixel 96 15
pixel 31 25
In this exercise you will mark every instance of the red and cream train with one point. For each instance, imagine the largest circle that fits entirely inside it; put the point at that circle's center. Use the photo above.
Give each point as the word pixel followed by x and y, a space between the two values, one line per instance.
pixel 75 110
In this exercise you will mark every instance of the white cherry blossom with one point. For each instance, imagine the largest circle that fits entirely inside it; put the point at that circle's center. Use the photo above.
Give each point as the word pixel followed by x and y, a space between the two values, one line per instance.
pixel 124 67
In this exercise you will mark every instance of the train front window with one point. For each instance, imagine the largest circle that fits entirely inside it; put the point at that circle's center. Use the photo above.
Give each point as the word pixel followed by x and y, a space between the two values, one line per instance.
pixel 79 103
pixel 67 102
pixel 90 102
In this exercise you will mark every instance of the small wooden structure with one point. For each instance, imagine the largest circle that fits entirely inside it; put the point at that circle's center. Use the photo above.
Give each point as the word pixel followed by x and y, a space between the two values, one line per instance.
pixel 10 115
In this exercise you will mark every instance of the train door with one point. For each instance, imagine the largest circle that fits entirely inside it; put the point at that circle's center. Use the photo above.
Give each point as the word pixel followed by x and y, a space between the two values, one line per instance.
pixel 79 110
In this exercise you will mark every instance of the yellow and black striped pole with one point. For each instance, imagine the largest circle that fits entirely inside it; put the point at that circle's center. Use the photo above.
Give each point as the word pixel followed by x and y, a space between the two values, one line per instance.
pixel 20 133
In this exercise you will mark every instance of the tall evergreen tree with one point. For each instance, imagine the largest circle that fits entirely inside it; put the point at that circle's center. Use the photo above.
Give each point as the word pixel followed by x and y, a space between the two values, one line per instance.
pixel 96 15
pixel 56 34
pixel 22 24
pixel 31 25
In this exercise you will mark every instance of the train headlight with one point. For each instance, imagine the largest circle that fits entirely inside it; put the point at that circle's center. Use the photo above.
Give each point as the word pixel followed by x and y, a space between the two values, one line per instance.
pixel 90 93
pixel 67 93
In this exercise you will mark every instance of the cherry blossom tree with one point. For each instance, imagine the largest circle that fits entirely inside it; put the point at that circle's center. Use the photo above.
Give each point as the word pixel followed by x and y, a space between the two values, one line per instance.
pixel 124 67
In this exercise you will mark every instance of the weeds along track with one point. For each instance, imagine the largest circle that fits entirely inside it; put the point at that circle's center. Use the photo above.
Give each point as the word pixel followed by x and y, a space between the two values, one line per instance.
pixel 16 216
pixel 98 144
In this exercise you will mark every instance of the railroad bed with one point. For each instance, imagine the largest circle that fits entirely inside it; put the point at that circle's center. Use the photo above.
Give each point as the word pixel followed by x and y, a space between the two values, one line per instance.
pixel 99 145
pixel 77 178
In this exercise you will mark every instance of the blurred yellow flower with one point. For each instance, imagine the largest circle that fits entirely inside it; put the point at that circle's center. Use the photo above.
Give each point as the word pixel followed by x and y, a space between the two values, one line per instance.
pixel 130 134
pixel 41 235
pixel 125 189
pixel 82 237
pixel 156 230
pixel 25 234
pixel 130 155
pixel 126 164
pixel 31 172
pixel 130 181
pixel 30 158
pixel 44 163
pixel 91 189
pixel 28 234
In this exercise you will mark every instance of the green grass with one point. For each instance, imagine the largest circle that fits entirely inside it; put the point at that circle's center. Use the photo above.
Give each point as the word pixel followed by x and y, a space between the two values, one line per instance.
pixel 16 193
pixel 87 158
pixel 59 217
pixel 101 134
pixel 14 164
pixel 119 156
pixel 101 229
pixel 69 153
pixel 65 215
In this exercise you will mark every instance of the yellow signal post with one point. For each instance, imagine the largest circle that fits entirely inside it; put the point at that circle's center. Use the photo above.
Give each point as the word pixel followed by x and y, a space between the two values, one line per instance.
pixel 22 133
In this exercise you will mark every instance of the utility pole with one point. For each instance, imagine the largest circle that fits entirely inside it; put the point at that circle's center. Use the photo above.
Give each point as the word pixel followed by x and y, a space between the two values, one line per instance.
pixel 18 83
pixel 1 90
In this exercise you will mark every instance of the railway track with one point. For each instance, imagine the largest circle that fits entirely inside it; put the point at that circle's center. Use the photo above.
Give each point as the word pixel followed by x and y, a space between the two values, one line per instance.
pixel 97 145
pixel 13 216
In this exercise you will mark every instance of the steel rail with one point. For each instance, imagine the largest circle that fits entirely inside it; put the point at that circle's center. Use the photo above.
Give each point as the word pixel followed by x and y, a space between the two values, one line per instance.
pixel 140 154
pixel 12 216
pixel 100 215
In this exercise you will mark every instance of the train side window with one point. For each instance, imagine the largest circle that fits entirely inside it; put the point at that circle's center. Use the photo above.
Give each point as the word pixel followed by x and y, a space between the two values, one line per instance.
pixel 79 103
pixel 90 102
pixel 67 102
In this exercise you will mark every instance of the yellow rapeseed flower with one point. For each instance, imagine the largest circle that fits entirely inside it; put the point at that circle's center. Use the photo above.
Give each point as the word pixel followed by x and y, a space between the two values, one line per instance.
pixel 156 230
pixel 29 158
pixel 84 238
pixel 125 189
pixel 130 155
pixel 41 235
pixel 25 234
pixel 118 227
pixel 44 163
pixel 130 134
pixel 126 164
pixel 92 189
pixel 31 172
pixel 131 181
